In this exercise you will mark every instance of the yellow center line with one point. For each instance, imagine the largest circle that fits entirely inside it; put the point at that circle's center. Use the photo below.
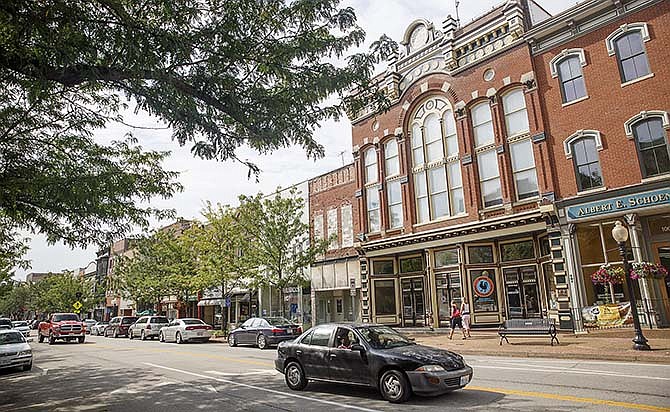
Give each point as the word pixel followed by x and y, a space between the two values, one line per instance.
pixel 569 398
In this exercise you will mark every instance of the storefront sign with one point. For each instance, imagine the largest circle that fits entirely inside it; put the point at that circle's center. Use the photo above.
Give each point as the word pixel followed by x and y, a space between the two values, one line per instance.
pixel 616 314
pixel 619 204
pixel 483 286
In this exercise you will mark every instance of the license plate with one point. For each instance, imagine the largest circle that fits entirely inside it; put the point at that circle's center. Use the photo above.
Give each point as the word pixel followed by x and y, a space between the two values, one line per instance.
pixel 289 331
pixel 199 333
pixel 465 379
pixel 4 361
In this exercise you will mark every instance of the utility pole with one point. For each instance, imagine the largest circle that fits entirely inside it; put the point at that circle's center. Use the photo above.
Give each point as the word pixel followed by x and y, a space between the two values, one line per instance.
pixel 342 156
pixel 458 20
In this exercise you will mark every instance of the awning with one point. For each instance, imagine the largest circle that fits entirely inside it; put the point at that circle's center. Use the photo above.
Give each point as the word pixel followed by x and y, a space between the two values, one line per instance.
pixel 210 302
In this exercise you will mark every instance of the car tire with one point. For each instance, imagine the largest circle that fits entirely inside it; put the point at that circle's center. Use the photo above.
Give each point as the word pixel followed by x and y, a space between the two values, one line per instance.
pixel 115 335
pixel 130 335
pixel 394 386
pixel 142 336
pixel 40 338
pixel 295 377
pixel 27 367
pixel 161 337
pixel 82 339
pixel 178 338
pixel 52 340
pixel 232 342
pixel 261 342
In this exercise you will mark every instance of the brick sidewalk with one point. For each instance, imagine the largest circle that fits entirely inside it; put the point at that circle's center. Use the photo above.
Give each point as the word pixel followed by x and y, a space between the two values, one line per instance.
pixel 613 344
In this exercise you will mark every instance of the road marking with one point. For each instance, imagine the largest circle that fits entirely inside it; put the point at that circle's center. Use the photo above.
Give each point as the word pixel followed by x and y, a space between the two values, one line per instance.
pixel 565 361
pixel 569 398
pixel 244 385
pixel 256 372
pixel 550 369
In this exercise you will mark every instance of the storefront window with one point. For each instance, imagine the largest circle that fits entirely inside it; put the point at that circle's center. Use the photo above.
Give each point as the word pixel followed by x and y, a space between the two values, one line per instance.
pixel 545 247
pixel 484 291
pixel 413 264
pixel 446 258
pixel 385 297
pixel 480 254
pixel 550 283
pixel 590 245
pixel 517 251
pixel 382 267
pixel 448 291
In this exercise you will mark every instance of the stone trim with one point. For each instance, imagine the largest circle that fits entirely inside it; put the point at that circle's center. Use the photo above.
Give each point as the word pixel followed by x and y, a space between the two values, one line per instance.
pixel 567 143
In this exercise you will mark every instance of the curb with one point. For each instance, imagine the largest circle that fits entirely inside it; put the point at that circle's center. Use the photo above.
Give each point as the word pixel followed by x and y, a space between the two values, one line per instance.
pixel 632 358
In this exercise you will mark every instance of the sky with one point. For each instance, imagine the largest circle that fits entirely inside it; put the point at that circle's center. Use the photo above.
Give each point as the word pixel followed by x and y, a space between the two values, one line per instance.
pixel 222 182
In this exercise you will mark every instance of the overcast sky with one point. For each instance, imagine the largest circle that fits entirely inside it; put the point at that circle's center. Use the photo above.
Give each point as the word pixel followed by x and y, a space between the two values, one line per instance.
pixel 223 182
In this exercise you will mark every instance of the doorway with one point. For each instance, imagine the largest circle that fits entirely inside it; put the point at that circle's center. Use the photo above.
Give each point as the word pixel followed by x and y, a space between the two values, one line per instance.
pixel 662 256
pixel 413 303
pixel 522 292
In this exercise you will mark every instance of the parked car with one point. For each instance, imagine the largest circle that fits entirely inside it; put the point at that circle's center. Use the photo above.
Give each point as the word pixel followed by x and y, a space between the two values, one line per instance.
pixel 89 324
pixel 65 326
pixel 119 325
pixel 99 328
pixel 5 323
pixel 147 327
pixel 21 326
pixel 185 330
pixel 264 332
pixel 372 355
pixel 14 350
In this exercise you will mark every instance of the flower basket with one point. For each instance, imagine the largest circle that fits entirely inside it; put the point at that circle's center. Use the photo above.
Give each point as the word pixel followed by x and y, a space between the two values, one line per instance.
pixel 646 270
pixel 608 275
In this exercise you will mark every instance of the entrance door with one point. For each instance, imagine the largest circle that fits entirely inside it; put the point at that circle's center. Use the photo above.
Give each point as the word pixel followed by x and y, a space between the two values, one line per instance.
pixel 522 292
pixel 662 256
pixel 414 310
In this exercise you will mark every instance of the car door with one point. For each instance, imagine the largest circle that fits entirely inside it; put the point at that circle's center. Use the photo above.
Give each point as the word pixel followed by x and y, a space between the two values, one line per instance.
pixel 243 334
pixel 172 330
pixel 347 365
pixel 138 326
pixel 314 356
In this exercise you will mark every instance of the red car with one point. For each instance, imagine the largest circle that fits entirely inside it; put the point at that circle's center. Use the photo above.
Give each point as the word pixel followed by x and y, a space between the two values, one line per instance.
pixel 65 326
pixel 119 325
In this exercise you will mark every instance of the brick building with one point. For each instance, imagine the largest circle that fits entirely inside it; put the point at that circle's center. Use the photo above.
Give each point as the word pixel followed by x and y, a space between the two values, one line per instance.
pixel 603 74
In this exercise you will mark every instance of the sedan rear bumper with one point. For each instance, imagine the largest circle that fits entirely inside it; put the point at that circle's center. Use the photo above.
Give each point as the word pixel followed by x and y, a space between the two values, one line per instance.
pixel 275 340
pixel 435 383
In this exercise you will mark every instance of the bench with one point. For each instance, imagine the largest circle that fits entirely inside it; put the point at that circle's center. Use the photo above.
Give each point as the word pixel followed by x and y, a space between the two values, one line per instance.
pixel 528 327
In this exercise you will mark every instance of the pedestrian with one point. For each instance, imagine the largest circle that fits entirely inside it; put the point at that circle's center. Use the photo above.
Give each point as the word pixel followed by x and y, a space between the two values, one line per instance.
pixel 465 314
pixel 456 320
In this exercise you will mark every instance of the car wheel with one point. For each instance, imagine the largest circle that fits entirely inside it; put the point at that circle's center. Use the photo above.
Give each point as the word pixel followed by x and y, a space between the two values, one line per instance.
pixel 27 367
pixel 142 336
pixel 261 341
pixel 52 340
pixel 394 386
pixel 178 338
pixel 295 377
pixel 40 338
pixel 232 342
pixel 161 338
pixel 115 334
pixel 130 335
pixel 82 339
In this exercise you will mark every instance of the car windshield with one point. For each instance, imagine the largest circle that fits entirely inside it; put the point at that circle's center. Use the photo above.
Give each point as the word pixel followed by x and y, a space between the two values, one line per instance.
pixel 159 320
pixel 192 322
pixel 66 316
pixel 383 337
pixel 278 321
pixel 10 338
pixel 17 324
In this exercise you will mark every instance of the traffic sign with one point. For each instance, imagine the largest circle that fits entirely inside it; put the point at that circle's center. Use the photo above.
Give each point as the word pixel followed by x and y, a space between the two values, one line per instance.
pixel 77 305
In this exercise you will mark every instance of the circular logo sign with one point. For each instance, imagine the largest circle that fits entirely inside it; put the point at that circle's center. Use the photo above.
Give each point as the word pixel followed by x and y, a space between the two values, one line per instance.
pixel 483 286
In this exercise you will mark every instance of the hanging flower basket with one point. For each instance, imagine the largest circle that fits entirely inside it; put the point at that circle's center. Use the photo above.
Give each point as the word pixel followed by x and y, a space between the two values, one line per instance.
pixel 647 270
pixel 608 275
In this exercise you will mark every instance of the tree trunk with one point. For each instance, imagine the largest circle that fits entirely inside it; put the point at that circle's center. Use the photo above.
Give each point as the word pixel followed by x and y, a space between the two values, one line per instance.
pixel 224 318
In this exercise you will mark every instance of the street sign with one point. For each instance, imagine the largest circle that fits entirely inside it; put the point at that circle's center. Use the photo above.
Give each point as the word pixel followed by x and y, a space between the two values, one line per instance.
pixel 77 305
pixel 352 286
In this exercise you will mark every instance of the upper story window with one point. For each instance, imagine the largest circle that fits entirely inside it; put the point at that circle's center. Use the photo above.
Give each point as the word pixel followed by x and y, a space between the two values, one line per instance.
pixel 372 203
pixel 489 178
pixel 651 139
pixel 394 199
pixel 318 227
pixel 347 225
pixel 370 165
pixel 391 158
pixel 482 124
pixel 567 67
pixel 582 147
pixel 523 168
pixel 516 116
pixel 627 42
pixel 438 187
pixel 332 229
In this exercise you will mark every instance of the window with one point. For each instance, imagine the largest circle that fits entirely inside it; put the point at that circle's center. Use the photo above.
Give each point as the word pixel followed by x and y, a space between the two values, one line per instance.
pixel 394 197
pixel 321 336
pixel 305 340
pixel 482 124
pixel 382 267
pixel 571 79
pixel 631 56
pixel 391 159
pixel 372 197
pixel 413 264
pixel 480 254
pixel 516 116
pixel 517 251
pixel 485 297
pixel 332 229
pixel 438 187
pixel 446 258
pixel 652 146
pixel 385 297
pixel 370 166
pixel 523 168
pixel 318 227
pixel 587 165
pixel 489 178
pixel 347 226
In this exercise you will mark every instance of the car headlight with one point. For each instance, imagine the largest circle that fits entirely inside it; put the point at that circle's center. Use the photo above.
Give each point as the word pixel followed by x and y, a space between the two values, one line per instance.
pixel 26 353
pixel 430 368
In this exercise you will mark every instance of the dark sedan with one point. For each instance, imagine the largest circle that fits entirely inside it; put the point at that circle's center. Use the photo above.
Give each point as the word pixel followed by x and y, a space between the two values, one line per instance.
pixel 264 332
pixel 371 355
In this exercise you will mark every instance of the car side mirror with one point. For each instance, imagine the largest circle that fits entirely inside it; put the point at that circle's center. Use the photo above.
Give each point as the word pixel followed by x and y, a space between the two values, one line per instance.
pixel 358 347
pixel 243 327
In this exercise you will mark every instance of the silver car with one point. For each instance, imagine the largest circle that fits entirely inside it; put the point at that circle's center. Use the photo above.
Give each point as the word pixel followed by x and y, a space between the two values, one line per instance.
pixel 14 350
pixel 89 324
pixel 186 330
pixel 99 328
pixel 22 326
pixel 147 327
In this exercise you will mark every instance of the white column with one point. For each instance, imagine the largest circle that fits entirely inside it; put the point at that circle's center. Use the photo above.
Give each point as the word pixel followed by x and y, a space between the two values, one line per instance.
pixel 575 283
pixel 634 227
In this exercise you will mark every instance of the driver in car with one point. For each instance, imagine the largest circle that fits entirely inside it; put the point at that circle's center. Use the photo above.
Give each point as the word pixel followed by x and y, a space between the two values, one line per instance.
pixel 345 342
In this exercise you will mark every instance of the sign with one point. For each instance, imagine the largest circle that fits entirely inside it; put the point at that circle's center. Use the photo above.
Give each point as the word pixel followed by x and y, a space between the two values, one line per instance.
pixel 77 305
pixel 483 286
pixel 615 314
pixel 352 287
pixel 619 204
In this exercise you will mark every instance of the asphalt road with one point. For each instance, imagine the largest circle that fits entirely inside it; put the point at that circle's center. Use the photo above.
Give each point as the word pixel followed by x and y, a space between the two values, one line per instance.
pixel 106 374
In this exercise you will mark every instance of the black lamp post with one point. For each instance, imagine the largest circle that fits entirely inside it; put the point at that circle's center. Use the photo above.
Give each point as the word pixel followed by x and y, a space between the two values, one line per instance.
pixel 620 235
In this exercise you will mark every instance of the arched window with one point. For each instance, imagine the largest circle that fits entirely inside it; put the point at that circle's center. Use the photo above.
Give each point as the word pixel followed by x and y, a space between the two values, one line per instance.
pixel 438 187
pixel 567 67
pixel 651 140
pixel 372 190
pixel 516 116
pixel 586 162
pixel 391 158
pixel 482 124
pixel 627 42
pixel 487 160
pixel 370 165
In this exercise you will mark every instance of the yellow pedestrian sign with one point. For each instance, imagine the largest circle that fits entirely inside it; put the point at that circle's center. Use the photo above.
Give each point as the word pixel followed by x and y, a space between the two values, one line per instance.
pixel 77 305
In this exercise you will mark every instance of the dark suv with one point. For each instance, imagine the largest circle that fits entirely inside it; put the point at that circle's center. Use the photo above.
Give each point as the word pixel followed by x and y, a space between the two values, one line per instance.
pixel 119 325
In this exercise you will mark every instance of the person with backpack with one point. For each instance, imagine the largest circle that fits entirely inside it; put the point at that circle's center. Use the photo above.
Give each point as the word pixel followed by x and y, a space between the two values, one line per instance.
pixel 456 320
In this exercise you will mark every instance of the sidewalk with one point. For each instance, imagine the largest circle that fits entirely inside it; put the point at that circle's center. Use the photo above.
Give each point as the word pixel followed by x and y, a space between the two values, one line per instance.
pixel 611 344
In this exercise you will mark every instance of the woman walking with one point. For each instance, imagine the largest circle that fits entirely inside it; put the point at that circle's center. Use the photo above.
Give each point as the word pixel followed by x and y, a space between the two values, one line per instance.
pixel 465 314
pixel 456 320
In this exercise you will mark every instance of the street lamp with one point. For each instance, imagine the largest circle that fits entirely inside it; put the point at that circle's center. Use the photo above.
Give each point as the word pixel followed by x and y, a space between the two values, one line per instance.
pixel 620 235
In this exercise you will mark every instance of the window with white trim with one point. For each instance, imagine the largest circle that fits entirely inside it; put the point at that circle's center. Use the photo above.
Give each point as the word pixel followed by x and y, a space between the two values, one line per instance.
pixel 587 163
pixel 516 116
pixel 346 214
pixel 482 124
pixel 332 229
pixel 318 227
pixel 391 158
pixel 523 168
pixel 652 146
pixel 370 165
pixel 489 178
pixel 438 188
pixel 372 203
pixel 394 200
pixel 631 56
pixel 571 78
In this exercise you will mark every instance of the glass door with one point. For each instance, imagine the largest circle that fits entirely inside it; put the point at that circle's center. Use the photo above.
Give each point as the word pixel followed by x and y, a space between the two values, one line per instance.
pixel 522 293
pixel 414 310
